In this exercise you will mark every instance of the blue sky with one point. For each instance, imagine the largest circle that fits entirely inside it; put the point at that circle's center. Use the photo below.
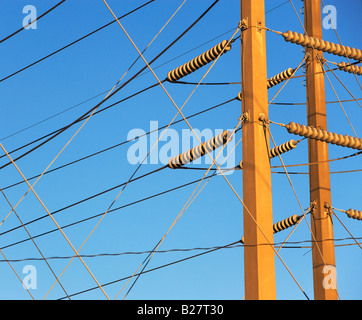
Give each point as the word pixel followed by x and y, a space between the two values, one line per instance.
pixel 215 218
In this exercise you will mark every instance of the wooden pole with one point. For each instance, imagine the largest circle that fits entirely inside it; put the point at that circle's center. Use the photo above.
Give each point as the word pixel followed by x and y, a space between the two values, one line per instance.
pixel 259 270
pixel 325 286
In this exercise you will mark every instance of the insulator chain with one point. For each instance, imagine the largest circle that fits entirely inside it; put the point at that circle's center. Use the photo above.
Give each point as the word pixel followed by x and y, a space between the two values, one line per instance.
pixel 354 214
pixel 286 223
pixel 199 61
pixel 282 225
pixel 285 147
pixel 326 136
pixel 319 44
pixel 280 77
pixel 350 68
pixel 199 151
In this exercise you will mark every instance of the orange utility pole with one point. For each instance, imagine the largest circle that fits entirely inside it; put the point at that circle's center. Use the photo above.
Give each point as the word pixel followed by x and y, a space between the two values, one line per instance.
pixel 259 262
pixel 325 286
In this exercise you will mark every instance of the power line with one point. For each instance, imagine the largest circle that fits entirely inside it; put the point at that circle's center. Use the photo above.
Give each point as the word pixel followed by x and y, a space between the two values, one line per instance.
pixel 96 215
pixel 177 250
pixel 119 88
pixel 74 42
pixel 157 268
pixel 37 19
pixel 119 144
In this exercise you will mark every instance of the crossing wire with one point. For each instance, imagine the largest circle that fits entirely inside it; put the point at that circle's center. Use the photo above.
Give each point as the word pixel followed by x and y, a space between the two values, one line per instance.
pixel 119 88
pixel 109 95
pixel 74 42
pixel 32 239
pixel 62 232
pixel 119 144
pixel 160 82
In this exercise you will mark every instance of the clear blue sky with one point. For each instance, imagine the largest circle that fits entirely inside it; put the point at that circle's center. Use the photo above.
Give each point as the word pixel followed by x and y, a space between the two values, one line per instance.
pixel 215 218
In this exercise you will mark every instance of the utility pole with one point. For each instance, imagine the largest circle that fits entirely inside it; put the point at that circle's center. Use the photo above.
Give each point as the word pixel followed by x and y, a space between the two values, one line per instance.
pixel 259 262
pixel 325 287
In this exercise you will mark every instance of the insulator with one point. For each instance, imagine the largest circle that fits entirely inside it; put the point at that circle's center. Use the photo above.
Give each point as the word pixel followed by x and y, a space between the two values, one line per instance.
pixel 241 165
pixel 198 62
pixel 354 214
pixel 280 77
pixel 286 223
pixel 326 136
pixel 200 150
pixel 319 44
pixel 350 68
pixel 287 146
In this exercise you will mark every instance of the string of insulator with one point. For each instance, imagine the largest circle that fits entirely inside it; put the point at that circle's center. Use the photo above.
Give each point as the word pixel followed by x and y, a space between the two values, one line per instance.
pixel 286 223
pixel 198 62
pixel 350 68
pixel 354 214
pixel 319 44
pixel 280 77
pixel 285 147
pixel 199 151
pixel 283 224
pixel 326 136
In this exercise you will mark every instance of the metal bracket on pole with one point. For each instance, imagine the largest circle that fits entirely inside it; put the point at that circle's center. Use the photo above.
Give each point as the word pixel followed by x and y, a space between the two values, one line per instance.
pixel 243 24
pixel 244 117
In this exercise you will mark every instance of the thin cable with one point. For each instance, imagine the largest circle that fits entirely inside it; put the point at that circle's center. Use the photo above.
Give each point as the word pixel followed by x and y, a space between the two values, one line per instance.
pixel 295 193
pixel 339 39
pixel 100 214
pixel 32 239
pixel 128 81
pixel 12 268
pixel 185 207
pixel 160 82
pixel 74 42
pixel 32 21
pixel 160 267
pixel 344 111
pixel 46 209
pixel 120 144
pixel 346 229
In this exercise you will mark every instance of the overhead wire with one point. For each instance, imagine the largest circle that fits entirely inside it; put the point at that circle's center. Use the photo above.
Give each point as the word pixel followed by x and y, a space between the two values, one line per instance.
pixel 120 87
pixel 161 83
pixel 121 143
pixel 62 232
pixel 74 42
pixel 100 214
pixel 90 112
pixel 32 239
pixel 31 22
pixel 177 250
